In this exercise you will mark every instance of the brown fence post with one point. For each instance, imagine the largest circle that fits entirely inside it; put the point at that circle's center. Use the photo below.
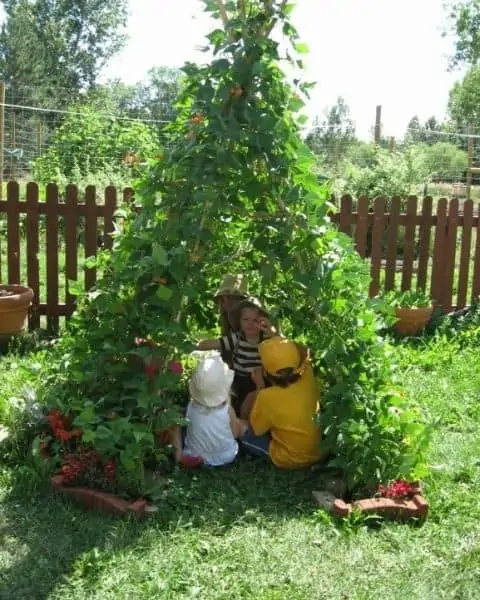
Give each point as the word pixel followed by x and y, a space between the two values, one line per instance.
pixel 91 232
pixel 71 256
pixel 450 253
pixel 391 258
pixel 408 246
pixel 376 256
pixel 51 209
pixel 33 265
pixel 346 209
pixel 13 232
pixel 465 254
pixel 424 243
pixel 476 262
pixel 439 251
pixel 108 219
pixel 362 224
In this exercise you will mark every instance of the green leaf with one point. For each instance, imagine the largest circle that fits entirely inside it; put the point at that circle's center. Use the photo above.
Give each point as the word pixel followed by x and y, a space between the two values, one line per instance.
pixel 302 48
pixel 75 288
pixel 164 293
pixel 159 255
pixel 90 262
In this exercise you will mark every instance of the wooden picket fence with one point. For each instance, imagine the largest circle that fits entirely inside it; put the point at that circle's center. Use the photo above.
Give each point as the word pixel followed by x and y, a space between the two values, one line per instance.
pixel 441 248
pixel 43 241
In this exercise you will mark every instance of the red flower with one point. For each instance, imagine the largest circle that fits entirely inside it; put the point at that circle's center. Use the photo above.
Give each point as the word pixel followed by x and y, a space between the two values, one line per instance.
pixel 109 469
pixel 176 367
pixel 398 489
pixel 151 370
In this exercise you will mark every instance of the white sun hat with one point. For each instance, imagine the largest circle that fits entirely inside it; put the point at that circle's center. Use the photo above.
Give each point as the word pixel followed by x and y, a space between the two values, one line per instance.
pixel 211 381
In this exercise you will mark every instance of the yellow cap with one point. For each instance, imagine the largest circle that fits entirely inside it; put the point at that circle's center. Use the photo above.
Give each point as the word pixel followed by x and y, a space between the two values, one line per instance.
pixel 278 353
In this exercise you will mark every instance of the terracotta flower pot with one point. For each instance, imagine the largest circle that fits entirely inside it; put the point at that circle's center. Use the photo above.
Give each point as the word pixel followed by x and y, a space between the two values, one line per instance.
pixel 15 301
pixel 411 321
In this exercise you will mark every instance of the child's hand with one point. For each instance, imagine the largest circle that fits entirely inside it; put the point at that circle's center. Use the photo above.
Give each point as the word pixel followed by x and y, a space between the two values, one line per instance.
pixel 257 378
pixel 267 328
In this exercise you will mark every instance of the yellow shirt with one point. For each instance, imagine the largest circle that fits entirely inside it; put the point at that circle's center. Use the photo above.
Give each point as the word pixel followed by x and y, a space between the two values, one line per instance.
pixel 288 415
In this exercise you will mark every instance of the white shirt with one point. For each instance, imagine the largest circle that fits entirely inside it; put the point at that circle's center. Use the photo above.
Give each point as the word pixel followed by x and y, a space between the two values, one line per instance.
pixel 209 434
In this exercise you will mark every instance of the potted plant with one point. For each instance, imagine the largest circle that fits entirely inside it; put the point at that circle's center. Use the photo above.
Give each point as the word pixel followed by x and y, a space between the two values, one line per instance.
pixel 413 309
pixel 15 301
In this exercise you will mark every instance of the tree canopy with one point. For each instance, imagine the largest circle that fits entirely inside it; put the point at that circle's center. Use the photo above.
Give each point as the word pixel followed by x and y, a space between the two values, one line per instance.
pixel 57 48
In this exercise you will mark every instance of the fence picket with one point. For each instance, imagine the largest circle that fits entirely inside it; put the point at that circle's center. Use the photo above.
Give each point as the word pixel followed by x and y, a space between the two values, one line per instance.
pixel 13 232
pixel 33 248
pixel 362 224
pixel 51 208
pixel 345 219
pixel 450 253
pixel 108 219
pixel 476 264
pixel 465 254
pixel 424 243
pixel 90 234
pixel 370 230
pixel 391 259
pixel 376 257
pixel 438 252
pixel 71 257
pixel 409 243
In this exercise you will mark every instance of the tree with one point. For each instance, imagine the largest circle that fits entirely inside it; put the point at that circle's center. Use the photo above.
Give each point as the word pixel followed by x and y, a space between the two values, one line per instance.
pixel 54 49
pixel 464 101
pixel 152 99
pixel 332 137
pixel 234 189
pixel 464 22
pixel 427 132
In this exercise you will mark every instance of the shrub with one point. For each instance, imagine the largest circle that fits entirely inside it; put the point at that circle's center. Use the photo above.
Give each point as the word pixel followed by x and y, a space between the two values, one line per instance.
pixel 89 143
pixel 388 174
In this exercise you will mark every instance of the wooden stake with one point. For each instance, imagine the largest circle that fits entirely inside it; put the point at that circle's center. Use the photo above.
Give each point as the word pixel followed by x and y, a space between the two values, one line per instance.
pixel 2 134
pixel 471 147
pixel 378 124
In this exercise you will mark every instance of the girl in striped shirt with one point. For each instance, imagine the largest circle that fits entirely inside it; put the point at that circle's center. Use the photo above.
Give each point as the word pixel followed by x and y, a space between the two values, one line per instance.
pixel 250 326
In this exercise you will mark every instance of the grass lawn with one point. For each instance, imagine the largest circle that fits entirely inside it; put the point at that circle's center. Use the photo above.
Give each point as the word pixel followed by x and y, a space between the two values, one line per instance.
pixel 250 532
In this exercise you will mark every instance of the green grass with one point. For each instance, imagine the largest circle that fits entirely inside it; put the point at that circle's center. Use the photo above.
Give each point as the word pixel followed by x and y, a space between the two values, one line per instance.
pixel 250 532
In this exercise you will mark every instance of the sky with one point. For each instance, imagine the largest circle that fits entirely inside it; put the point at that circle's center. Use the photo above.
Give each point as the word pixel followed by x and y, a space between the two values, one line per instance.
pixel 371 52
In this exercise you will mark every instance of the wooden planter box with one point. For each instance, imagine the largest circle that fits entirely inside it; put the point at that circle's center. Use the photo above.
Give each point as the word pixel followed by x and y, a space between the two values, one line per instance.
pixel 93 499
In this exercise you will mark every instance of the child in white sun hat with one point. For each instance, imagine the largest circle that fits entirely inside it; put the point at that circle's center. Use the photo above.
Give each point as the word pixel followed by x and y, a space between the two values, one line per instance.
pixel 212 425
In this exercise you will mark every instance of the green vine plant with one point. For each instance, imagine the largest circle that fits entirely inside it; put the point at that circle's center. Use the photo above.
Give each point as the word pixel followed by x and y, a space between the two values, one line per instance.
pixel 234 189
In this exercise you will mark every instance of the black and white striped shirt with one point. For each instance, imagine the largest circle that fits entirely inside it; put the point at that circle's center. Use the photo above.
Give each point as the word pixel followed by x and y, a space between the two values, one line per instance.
pixel 245 354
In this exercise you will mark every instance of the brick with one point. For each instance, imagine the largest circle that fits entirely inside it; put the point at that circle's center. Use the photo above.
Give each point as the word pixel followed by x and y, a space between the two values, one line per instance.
pixel 392 508
pixel 96 500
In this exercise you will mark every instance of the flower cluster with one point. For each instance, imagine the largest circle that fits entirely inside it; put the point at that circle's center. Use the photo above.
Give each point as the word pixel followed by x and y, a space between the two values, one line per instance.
pixel 398 489
pixel 87 466
pixel 151 370
pixel 59 424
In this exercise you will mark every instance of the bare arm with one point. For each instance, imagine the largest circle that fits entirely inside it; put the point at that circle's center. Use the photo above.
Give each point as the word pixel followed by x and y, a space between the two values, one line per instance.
pixel 208 345
pixel 237 425
pixel 248 405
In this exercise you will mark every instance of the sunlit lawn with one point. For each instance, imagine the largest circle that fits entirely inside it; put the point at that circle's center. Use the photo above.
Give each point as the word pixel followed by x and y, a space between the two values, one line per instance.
pixel 250 532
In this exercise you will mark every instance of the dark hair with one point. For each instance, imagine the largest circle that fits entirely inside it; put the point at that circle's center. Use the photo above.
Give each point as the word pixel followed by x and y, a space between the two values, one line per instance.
pixel 284 378
pixel 236 312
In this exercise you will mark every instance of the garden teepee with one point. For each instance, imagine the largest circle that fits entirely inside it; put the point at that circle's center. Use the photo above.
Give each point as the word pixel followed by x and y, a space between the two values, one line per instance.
pixel 234 190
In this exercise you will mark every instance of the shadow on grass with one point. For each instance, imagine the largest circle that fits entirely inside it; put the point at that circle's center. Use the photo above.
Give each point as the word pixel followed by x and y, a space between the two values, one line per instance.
pixel 45 540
